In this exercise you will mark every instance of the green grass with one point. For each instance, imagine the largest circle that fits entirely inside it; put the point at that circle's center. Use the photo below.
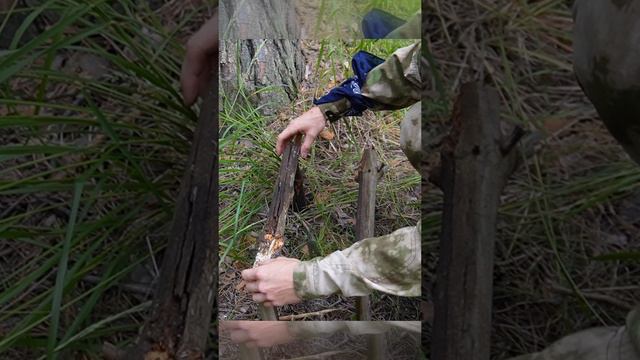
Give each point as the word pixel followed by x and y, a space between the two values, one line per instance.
pixel 101 158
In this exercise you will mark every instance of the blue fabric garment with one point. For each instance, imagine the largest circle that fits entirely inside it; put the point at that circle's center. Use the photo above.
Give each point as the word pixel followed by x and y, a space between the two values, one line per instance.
pixel 377 24
pixel 362 63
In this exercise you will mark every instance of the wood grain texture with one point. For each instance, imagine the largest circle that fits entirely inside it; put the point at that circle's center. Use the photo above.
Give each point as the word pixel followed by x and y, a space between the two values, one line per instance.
pixel 271 239
pixel 365 215
pixel 180 316
pixel 476 162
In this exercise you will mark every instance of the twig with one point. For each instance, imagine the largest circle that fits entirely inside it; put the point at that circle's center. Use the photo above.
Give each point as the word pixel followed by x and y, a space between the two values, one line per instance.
pixel 306 315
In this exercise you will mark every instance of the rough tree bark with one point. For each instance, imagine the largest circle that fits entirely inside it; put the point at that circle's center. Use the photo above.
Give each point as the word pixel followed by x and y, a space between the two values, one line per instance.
pixel 180 316
pixel 253 65
pixel 258 19
pixel 476 162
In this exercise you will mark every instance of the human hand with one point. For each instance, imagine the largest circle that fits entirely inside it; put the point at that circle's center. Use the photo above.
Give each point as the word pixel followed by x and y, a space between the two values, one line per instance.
pixel 202 52
pixel 272 282
pixel 258 333
pixel 310 124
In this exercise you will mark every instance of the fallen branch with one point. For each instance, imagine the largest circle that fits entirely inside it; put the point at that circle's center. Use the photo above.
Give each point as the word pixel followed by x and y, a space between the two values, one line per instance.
pixel 306 315
pixel 476 163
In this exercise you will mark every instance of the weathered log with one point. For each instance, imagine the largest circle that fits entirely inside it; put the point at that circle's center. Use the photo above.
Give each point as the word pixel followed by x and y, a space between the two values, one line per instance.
pixel 476 163
pixel 180 316
pixel 272 238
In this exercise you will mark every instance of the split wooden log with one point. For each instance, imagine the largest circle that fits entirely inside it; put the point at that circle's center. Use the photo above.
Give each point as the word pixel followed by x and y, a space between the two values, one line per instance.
pixel 476 163
pixel 365 226
pixel 178 324
pixel 272 238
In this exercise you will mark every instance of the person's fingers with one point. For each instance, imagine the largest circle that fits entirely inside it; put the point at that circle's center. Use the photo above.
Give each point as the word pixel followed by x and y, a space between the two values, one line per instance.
pixel 252 287
pixel 239 336
pixel 205 78
pixel 189 85
pixel 306 145
pixel 192 71
pixel 268 304
pixel 249 275
pixel 286 134
pixel 259 297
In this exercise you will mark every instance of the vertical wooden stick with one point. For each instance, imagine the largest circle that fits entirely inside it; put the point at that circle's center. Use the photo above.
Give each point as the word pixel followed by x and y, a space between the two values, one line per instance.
pixel 365 216
pixel 365 226
pixel 476 162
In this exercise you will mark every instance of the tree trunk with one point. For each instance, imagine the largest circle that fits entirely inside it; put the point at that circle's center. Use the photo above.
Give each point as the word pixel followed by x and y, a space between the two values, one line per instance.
pixel 267 72
pixel 258 19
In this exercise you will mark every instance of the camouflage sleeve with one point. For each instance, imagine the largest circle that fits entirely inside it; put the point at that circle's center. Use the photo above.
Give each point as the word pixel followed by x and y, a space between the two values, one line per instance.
pixel 602 343
pixel 394 84
pixel 389 263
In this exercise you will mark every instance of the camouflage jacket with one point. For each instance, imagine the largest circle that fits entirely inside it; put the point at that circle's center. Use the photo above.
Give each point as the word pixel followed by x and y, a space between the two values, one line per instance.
pixel 389 263
pixel 602 343
pixel 394 84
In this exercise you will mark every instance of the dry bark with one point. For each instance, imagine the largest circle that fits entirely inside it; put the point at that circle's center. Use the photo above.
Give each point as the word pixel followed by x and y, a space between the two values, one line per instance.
pixel 476 163
pixel 365 215
pixel 272 238
pixel 180 315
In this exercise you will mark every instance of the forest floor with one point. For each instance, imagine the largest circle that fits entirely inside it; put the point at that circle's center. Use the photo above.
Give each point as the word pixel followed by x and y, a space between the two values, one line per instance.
pixel 576 200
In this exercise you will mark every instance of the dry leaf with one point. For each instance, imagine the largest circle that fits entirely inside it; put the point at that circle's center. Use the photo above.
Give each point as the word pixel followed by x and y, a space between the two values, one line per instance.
pixel 327 134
